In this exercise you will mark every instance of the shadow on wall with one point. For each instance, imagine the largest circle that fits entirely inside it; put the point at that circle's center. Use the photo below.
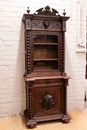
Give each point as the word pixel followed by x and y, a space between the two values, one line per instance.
pixel 20 90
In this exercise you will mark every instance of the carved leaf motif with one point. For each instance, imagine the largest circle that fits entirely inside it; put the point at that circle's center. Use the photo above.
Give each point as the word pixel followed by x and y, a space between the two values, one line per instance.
pixel 45 25
pixel 54 25
pixel 37 25
pixel 47 102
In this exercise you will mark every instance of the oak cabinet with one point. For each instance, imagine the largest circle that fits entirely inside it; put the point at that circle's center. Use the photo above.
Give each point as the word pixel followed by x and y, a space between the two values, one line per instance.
pixel 45 77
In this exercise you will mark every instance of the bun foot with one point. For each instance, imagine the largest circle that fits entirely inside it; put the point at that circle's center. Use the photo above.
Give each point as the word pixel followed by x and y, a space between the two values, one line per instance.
pixel 65 119
pixel 30 123
pixel 31 126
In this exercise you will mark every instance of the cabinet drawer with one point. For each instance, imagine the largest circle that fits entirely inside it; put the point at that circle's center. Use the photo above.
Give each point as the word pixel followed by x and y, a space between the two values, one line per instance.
pixel 48 81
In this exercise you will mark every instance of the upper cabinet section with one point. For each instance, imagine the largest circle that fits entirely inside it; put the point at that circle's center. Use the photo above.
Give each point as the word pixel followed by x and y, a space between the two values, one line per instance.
pixel 47 19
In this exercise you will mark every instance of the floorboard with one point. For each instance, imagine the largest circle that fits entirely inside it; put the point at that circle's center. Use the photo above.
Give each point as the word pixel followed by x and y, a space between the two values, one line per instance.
pixel 78 122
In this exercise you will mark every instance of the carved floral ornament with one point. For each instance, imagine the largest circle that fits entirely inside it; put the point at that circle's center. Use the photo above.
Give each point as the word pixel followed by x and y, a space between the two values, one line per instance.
pixel 46 11
pixel 47 102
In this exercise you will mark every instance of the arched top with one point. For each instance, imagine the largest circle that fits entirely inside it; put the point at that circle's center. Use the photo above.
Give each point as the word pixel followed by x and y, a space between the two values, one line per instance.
pixel 47 11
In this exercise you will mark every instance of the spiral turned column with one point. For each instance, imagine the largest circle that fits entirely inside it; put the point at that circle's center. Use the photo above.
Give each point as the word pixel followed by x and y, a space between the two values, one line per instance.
pixel 59 53
pixel 30 105
pixel 65 103
pixel 32 50
pixel 28 51
pixel 63 52
pixel 63 70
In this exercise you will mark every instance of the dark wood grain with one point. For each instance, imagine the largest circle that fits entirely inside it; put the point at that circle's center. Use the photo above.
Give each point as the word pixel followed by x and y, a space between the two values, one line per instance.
pixel 45 77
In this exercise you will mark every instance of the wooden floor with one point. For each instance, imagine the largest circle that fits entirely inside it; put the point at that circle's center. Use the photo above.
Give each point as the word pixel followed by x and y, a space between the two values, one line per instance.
pixel 78 122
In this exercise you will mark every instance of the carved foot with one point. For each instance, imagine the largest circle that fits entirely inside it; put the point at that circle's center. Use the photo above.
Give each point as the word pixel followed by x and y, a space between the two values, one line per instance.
pixel 65 119
pixel 30 123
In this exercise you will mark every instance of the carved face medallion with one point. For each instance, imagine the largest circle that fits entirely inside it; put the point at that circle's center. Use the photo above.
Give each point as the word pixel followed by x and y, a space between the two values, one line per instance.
pixel 46 24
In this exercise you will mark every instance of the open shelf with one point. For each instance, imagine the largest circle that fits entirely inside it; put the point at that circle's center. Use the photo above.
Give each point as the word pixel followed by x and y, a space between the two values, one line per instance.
pixel 45 43
pixel 45 56
pixel 45 59
pixel 45 52
pixel 45 64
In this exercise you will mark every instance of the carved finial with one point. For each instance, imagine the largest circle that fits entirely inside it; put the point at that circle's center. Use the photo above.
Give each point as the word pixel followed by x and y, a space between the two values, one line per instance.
pixel 47 8
pixel 28 11
pixel 64 13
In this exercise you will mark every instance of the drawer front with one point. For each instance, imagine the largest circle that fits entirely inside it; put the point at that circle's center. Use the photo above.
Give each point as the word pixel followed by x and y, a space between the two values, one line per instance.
pixel 48 81
pixel 47 24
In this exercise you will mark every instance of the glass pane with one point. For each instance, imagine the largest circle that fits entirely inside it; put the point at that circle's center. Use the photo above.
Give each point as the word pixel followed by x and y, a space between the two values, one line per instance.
pixel 45 39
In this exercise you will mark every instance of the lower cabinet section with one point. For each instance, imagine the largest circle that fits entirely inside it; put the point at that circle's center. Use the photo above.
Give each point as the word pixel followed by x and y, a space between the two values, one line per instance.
pixel 32 122
pixel 46 101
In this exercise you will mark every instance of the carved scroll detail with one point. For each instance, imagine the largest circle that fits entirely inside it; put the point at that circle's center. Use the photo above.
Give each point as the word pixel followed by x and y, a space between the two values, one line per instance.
pixel 54 25
pixel 37 25
pixel 47 11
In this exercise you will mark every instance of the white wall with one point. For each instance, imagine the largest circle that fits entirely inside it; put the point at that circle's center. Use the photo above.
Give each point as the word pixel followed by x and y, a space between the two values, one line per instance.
pixel 12 86
pixel 76 62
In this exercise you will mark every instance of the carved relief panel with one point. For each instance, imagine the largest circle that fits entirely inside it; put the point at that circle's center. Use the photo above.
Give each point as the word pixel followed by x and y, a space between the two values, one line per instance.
pixel 41 25
pixel 47 102
pixel 44 24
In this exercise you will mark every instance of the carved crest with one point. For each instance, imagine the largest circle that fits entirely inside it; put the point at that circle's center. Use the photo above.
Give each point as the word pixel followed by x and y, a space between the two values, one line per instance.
pixel 47 11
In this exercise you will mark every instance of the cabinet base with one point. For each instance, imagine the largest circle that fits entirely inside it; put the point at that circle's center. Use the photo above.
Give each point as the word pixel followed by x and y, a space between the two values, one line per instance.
pixel 31 123
pixel 65 118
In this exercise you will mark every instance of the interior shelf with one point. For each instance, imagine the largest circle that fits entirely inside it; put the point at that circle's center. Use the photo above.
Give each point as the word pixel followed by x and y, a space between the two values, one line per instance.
pixel 53 59
pixel 45 43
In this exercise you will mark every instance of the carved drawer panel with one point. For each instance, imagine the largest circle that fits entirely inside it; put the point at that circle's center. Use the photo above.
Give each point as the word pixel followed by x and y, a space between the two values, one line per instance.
pixel 44 24
pixel 51 25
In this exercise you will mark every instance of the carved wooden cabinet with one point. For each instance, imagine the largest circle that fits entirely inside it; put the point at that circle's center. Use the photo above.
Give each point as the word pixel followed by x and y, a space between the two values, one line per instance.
pixel 45 77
